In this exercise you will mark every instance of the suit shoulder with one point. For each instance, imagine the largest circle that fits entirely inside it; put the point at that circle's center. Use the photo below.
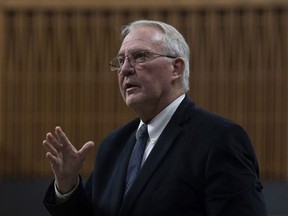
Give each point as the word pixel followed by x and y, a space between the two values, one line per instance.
pixel 128 128
pixel 205 122
pixel 118 137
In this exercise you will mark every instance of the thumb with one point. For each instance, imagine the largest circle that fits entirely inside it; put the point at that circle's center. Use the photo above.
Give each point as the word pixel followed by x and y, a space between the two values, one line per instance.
pixel 86 148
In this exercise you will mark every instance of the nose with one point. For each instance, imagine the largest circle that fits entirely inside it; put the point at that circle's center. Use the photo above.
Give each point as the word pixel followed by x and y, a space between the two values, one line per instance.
pixel 127 68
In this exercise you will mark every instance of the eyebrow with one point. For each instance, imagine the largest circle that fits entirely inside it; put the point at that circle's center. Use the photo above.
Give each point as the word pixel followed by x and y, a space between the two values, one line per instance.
pixel 135 50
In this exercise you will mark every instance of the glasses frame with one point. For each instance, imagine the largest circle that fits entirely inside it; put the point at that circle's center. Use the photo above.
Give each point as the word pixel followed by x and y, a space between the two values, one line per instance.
pixel 147 55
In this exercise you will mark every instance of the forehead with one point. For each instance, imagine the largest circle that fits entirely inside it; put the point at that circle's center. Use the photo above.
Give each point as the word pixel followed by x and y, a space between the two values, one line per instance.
pixel 143 37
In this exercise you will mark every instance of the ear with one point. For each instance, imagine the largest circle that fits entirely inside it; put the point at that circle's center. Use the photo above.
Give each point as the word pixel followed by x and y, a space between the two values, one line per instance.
pixel 178 65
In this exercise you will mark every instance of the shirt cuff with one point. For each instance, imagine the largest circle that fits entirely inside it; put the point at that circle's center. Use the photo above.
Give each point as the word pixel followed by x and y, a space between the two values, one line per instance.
pixel 63 197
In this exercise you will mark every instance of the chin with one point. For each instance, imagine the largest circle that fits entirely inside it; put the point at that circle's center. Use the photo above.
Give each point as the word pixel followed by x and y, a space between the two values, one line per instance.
pixel 132 102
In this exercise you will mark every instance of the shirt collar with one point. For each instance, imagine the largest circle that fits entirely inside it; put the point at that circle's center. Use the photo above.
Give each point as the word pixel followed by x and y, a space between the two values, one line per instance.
pixel 159 122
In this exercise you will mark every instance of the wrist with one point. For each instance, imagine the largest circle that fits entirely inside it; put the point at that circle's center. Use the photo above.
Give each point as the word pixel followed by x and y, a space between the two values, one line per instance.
pixel 65 186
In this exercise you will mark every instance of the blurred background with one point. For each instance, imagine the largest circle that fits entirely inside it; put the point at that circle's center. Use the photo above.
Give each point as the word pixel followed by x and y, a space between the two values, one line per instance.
pixel 54 70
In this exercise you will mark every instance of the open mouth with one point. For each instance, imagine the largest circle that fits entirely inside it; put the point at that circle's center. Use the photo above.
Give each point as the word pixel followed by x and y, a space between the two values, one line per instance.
pixel 130 86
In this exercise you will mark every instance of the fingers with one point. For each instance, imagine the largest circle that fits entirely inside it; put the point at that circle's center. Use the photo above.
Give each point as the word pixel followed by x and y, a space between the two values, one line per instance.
pixel 53 160
pixel 53 142
pixel 62 137
pixel 49 148
pixel 52 153
pixel 86 148
pixel 60 146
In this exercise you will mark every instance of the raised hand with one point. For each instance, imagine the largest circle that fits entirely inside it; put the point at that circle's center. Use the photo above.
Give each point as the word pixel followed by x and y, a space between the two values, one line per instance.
pixel 66 161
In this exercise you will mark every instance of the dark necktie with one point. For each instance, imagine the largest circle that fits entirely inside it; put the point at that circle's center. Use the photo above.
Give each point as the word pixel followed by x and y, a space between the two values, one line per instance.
pixel 136 156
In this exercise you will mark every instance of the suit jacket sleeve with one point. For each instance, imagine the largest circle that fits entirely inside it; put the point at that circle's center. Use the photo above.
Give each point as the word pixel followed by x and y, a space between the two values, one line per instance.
pixel 78 204
pixel 232 176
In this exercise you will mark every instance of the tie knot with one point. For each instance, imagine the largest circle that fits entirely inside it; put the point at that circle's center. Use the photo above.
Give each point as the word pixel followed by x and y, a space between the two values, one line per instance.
pixel 143 132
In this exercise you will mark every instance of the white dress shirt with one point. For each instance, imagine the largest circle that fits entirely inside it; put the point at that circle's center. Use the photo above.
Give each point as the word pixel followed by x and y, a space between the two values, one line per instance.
pixel 157 125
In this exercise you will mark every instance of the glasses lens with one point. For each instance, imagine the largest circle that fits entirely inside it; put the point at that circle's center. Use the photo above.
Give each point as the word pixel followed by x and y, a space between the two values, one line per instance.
pixel 114 64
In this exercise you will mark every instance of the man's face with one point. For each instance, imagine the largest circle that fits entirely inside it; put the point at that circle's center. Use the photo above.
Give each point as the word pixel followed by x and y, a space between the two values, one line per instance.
pixel 145 86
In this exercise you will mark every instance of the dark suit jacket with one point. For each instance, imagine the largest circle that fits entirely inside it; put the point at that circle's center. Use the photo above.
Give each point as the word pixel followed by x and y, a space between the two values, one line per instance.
pixel 202 164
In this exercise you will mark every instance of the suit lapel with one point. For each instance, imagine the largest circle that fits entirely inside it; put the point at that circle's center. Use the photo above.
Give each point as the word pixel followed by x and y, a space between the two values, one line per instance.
pixel 119 176
pixel 116 183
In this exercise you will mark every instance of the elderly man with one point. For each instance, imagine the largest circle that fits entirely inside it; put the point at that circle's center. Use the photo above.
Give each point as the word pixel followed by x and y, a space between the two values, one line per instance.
pixel 175 159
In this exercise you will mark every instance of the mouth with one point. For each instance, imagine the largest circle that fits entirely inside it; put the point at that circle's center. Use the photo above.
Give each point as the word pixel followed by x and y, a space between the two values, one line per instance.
pixel 129 86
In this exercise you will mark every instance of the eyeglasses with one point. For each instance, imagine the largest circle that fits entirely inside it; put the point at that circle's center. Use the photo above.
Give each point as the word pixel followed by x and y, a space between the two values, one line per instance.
pixel 136 57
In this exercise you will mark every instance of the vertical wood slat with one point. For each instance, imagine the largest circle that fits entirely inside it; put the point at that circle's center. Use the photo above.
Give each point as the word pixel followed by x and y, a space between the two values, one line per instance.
pixel 2 45
pixel 55 72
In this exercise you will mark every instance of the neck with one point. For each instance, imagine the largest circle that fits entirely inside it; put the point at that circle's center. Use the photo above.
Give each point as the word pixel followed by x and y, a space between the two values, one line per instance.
pixel 149 111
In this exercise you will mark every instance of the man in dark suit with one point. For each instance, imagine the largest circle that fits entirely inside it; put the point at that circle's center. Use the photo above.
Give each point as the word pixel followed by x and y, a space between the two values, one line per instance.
pixel 194 163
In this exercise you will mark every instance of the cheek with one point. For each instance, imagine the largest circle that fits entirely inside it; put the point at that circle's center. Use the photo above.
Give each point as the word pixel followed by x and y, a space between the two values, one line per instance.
pixel 149 80
pixel 159 79
pixel 120 83
pixel 154 85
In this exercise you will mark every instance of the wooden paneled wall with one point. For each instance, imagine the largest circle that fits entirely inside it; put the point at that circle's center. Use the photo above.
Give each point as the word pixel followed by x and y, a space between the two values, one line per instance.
pixel 54 71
